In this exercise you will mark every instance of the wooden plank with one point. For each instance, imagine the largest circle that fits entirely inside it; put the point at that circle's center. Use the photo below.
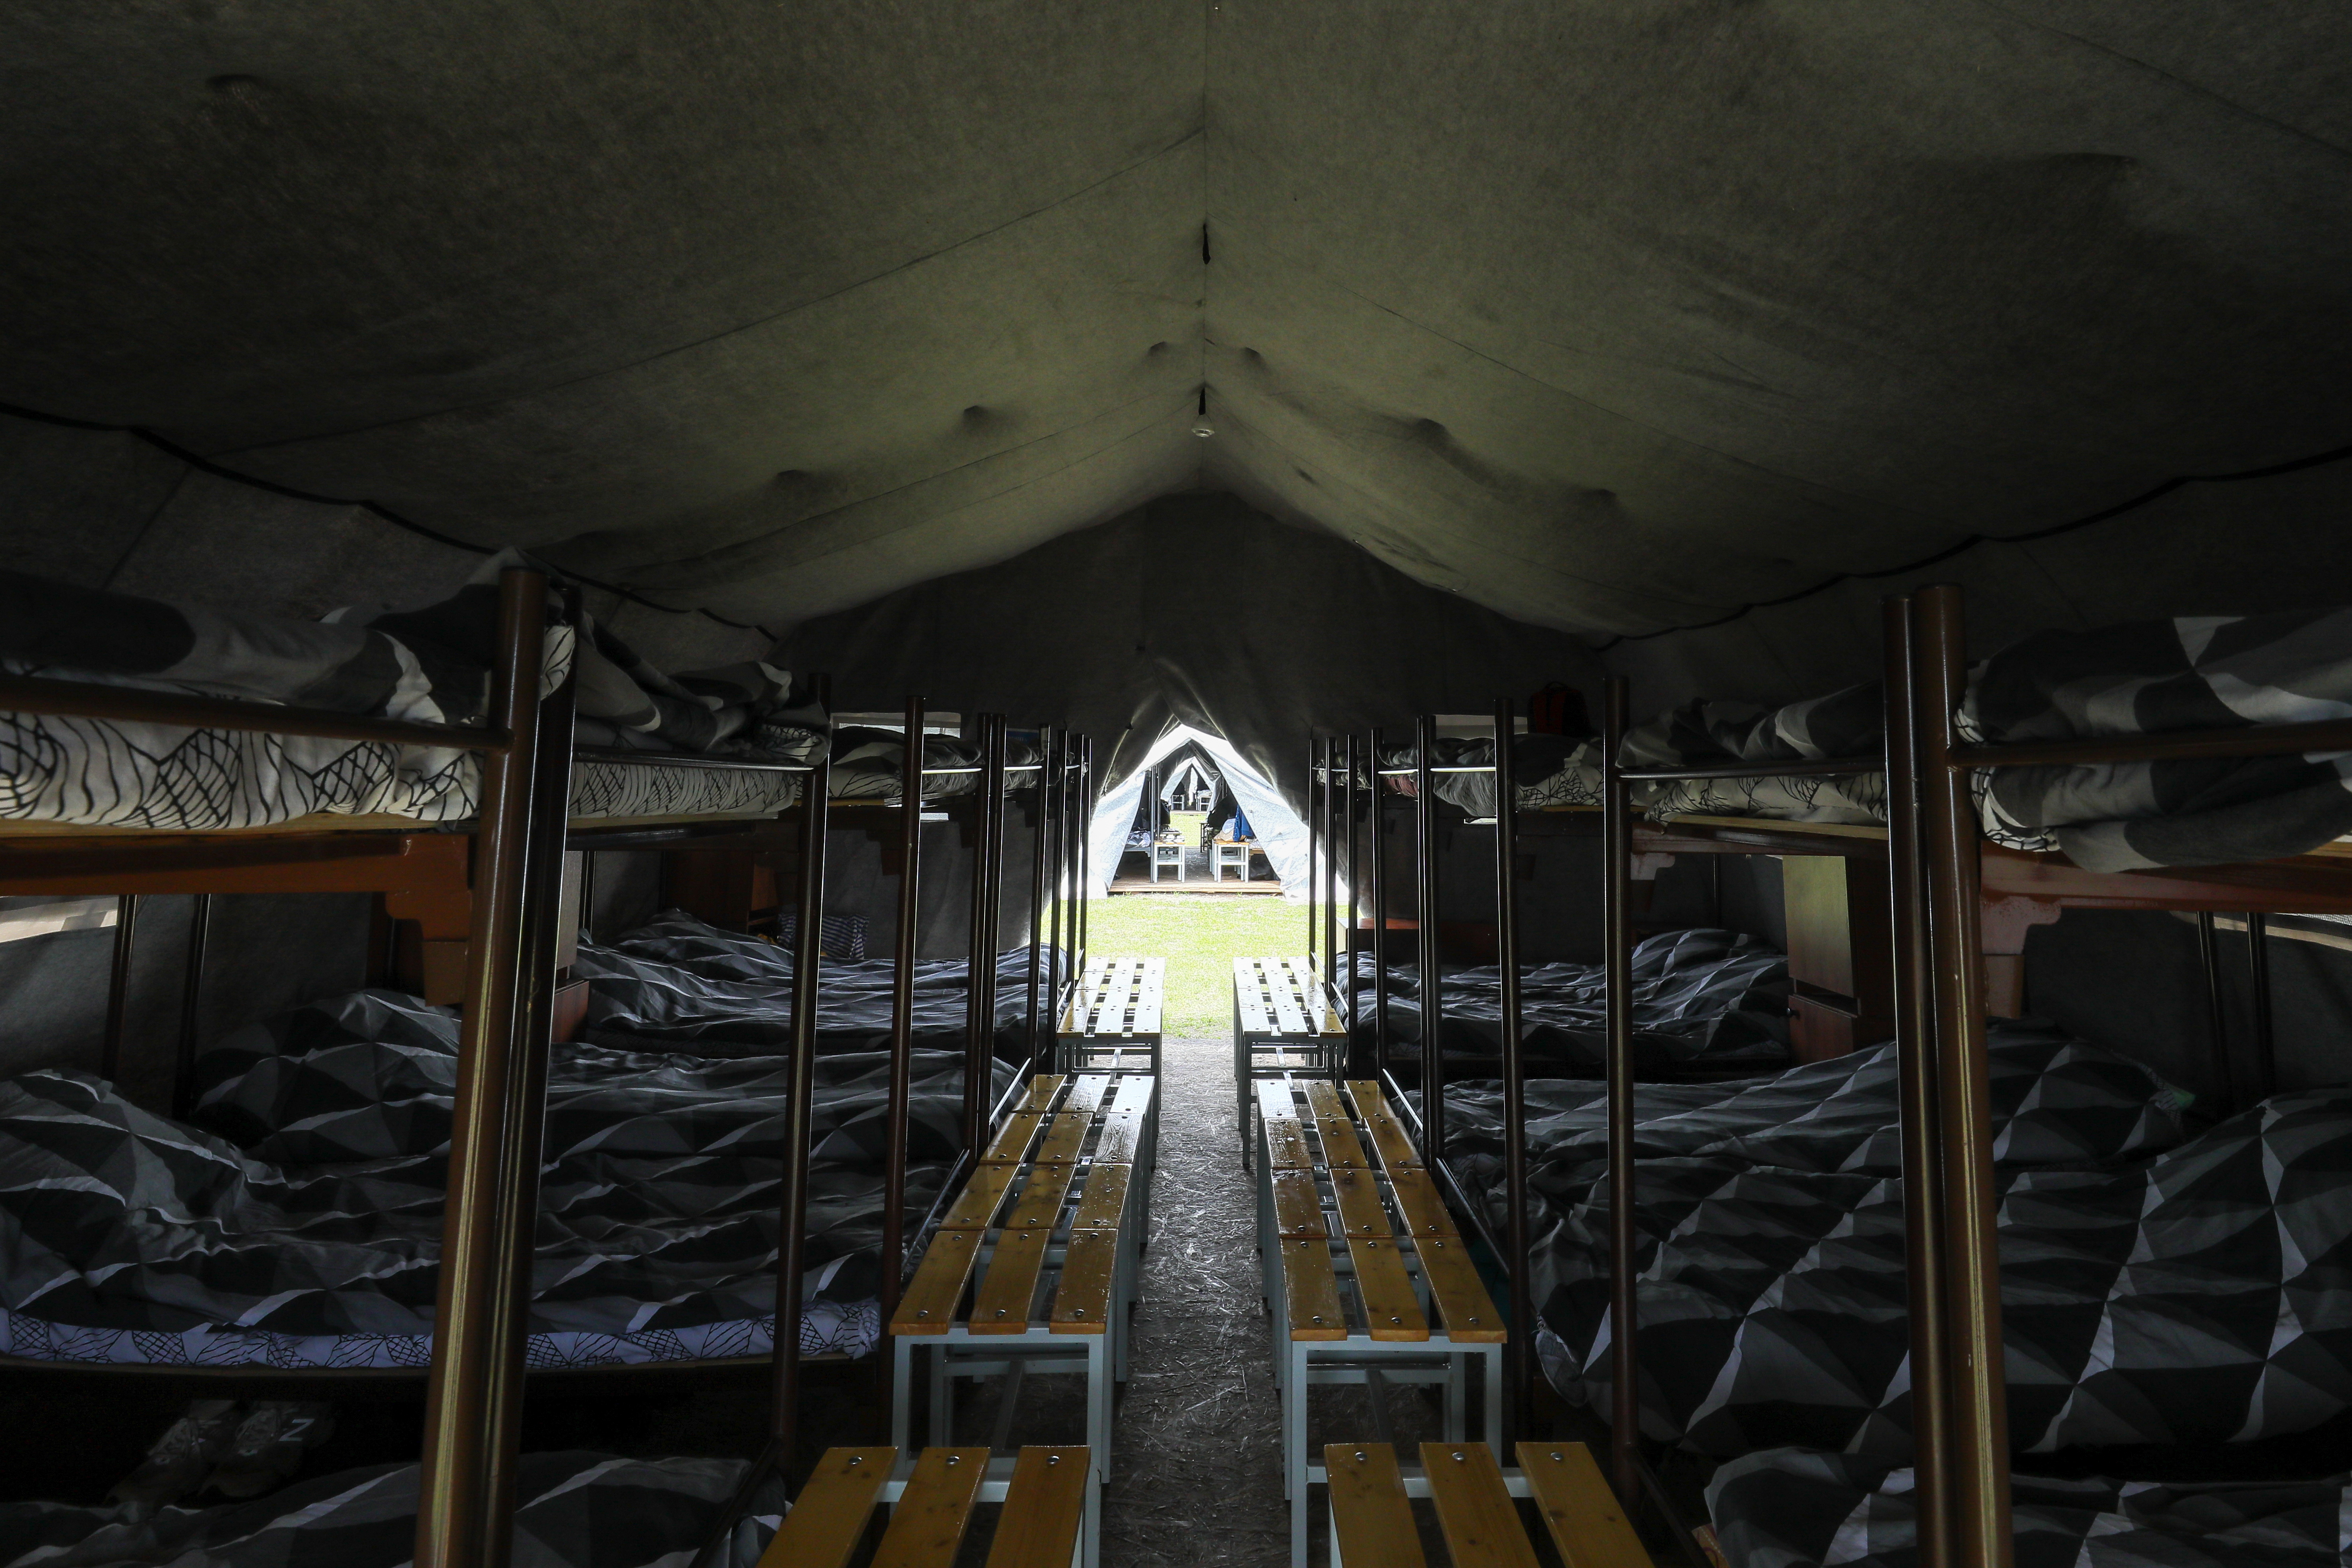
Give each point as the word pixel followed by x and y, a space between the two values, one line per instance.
pixel 1134 1095
pixel 1122 1135
pixel 1275 1098
pixel 1341 1149
pixel 1249 997
pixel 1462 1304
pixel 1480 1522
pixel 1043 1087
pixel 1001 1306
pixel 1312 1291
pixel 828 1519
pixel 1323 1100
pixel 1150 997
pixel 1587 1527
pixel 1297 1205
pixel 1286 1144
pixel 1282 988
pixel 1104 1203
pixel 927 1527
pixel 1389 1138
pixel 929 1306
pixel 1013 1139
pixel 983 1193
pixel 1087 1091
pixel 1425 1211
pixel 1066 1133
pixel 1043 1507
pixel 1370 1514
pixel 1392 1310
pixel 1039 1208
pixel 1082 1301
pixel 1361 1213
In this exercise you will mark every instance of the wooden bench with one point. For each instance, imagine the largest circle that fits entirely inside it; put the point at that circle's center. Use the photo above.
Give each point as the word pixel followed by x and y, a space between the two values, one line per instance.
pixel 1035 1263
pixel 1284 1022
pixel 1112 1024
pixel 1477 1511
pixel 1367 1278
pixel 1049 1517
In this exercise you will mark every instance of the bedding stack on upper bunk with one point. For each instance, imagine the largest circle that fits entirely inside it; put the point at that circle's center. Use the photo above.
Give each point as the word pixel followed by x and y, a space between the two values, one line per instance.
pixel 869 763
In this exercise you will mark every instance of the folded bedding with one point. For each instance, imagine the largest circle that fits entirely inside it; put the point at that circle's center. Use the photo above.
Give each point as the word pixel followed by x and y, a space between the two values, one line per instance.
pixel 430 665
pixel 571 1511
pixel 1702 999
pixel 677 983
pixel 1548 770
pixel 1789 1508
pixel 870 764
pixel 2154 1292
pixel 300 1224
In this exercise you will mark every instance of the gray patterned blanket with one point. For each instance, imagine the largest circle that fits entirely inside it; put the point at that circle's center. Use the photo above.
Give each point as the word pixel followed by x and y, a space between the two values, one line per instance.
pixel 429 664
pixel 573 1510
pixel 2155 1291
pixel 1789 1508
pixel 870 764
pixel 1710 999
pixel 302 1224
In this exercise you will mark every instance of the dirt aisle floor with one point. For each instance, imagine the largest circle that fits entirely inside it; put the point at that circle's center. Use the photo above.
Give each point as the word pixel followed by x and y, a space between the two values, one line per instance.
pixel 1196 1472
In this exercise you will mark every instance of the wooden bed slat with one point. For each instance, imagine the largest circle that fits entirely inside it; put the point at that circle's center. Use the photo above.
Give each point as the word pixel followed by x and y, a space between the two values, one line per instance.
pixel 1587 1527
pixel 1001 1306
pixel 1043 1507
pixel 828 1520
pixel 1312 1291
pixel 1368 1512
pixel 929 1306
pixel 1392 1310
pixel 1463 1305
pixel 1082 1302
pixel 1475 1511
pixel 927 1526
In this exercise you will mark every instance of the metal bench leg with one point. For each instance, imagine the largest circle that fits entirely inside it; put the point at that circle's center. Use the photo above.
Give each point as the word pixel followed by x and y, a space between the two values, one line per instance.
pixel 1493 1358
pixel 943 1399
pixel 1457 1398
pixel 1098 1390
pixel 902 1355
pixel 1294 1450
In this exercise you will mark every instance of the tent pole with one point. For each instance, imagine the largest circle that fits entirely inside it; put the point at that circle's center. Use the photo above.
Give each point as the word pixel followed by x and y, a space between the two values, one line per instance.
pixel 902 1011
pixel 1379 921
pixel 1617 980
pixel 1919 1098
pixel 792 1252
pixel 1515 1087
pixel 1983 1537
pixel 1432 980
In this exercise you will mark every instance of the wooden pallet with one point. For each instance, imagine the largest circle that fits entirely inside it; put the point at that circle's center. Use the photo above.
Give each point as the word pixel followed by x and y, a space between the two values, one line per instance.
pixel 1112 1023
pixel 1474 1498
pixel 1048 1518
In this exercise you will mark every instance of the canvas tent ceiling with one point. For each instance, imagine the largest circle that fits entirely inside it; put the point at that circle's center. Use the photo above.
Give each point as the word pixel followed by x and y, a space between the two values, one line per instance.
pixel 1608 315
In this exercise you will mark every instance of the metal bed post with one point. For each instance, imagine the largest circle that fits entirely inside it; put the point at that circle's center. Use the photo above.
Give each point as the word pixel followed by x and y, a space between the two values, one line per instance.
pixel 1918 1114
pixel 118 987
pixel 902 1010
pixel 469 1432
pixel 1380 920
pixel 1314 841
pixel 192 997
pixel 587 928
pixel 2258 977
pixel 1056 869
pixel 1350 814
pixel 525 1131
pixel 987 878
pixel 1085 879
pixel 1433 982
pixel 1617 981
pixel 1037 885
pixel 1330 931
pixel 1982 1536
pixel 1515 1087
pixel 2217 1019
pixel 792 1248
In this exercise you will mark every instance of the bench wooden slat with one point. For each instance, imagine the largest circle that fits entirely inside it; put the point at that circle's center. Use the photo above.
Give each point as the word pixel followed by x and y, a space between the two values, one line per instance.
pixel 1040 1203
pixel 1001 1306
pixel 927 1526
pixel 828 1520
pixel 1013 1139
pixel 1341 1151
pixel 1388 1136
pixel 1462 1304
pixel 929 1306
pixel 1249 996
pixel 1312 1290
pixel 1066 1133
pixel 1587 1526
pixel 1289 1016
pixel 1122 1135
pixel 1104 1202
pixel 1368 1512
pixel 1323 1100
pixel 983 1193
pixel 1286 1144
pixel 1480 1522
pixel 1297 1203
pixel 1134 1096
pixel 1392 1310
pixel 1043 1087
pixel 1043 1507
pixel 1087 1091
pixel 1361 1213
pixel 1416 1195
pixel 1082 1301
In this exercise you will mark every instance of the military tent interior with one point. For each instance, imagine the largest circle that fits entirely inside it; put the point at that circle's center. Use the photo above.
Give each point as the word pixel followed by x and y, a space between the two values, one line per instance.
pixel 1282 374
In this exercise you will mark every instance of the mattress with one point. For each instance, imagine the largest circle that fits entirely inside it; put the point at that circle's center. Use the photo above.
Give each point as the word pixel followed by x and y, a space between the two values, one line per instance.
pixel 300 1223
pixel 1702 999
pixel 2159 1285
pixel 678 983
pixel 1787 1507
pixel 571 1511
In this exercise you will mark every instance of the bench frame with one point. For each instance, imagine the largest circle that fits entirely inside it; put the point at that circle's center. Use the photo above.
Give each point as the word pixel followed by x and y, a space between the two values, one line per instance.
pixel 1284 1023
pixel 1112 1022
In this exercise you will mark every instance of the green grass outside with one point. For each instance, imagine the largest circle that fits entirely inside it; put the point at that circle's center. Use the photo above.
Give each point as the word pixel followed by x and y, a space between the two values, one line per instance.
pixel 1200 935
